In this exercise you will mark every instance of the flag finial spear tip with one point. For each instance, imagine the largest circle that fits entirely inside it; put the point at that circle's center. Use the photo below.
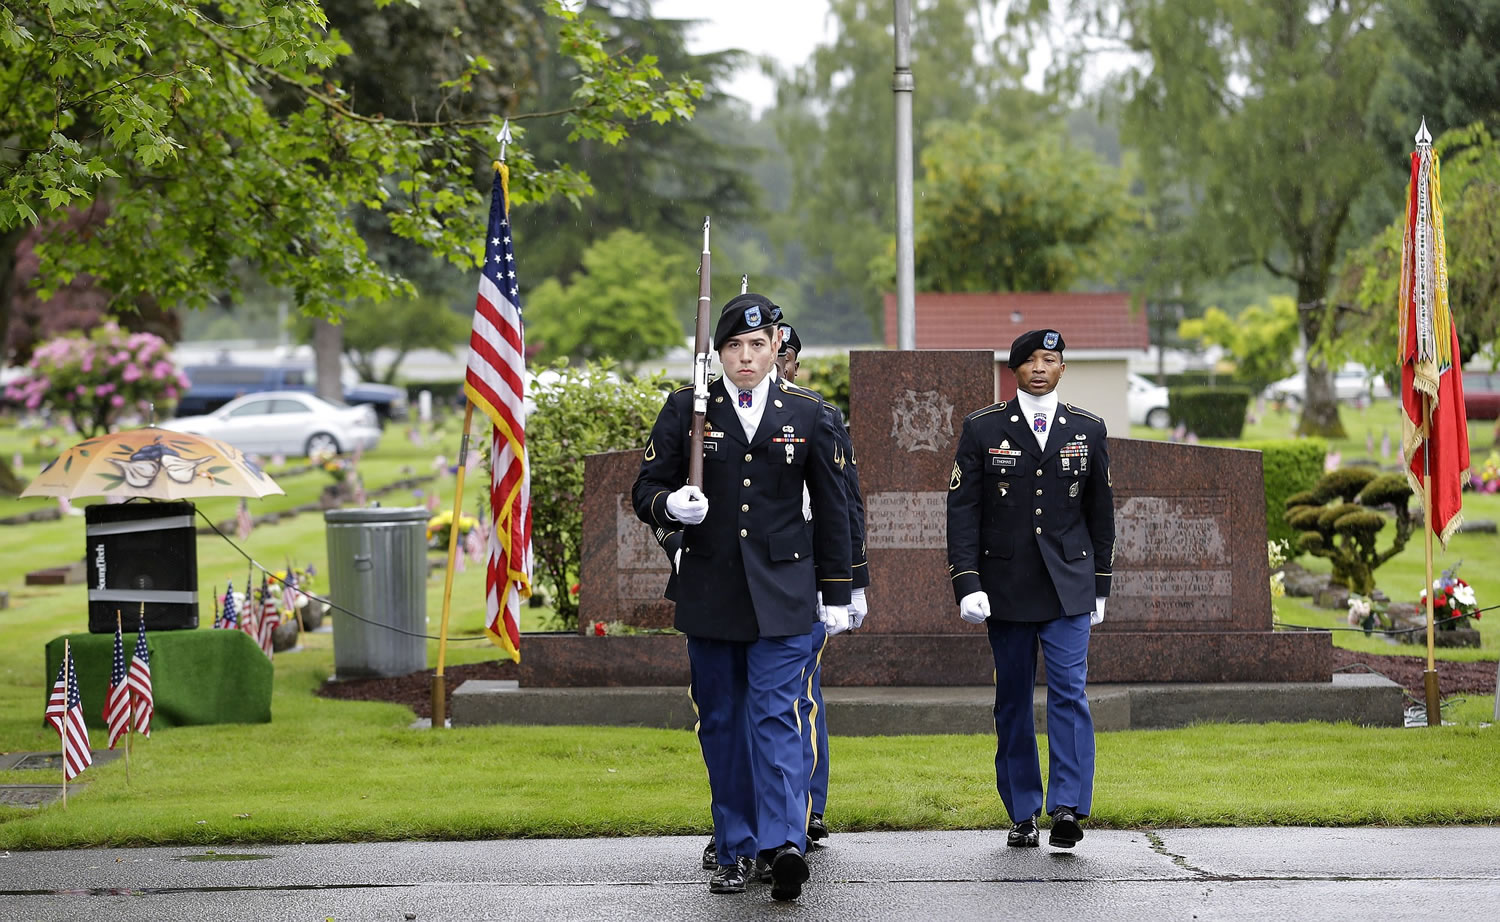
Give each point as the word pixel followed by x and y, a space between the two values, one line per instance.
pixel 1424 139
pixel 744 283
pixel 504 138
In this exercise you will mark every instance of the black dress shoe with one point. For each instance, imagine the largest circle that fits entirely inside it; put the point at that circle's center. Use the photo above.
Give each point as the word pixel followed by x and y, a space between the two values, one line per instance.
pixel 710 856
pixel 760 872
pixel 730 878
pixel 788 873
pixel 1066 831
pixel 816 829
pixel 1024 834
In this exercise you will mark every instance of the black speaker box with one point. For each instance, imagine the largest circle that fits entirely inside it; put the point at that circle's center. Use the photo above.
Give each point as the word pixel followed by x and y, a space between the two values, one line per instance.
pixel 142 553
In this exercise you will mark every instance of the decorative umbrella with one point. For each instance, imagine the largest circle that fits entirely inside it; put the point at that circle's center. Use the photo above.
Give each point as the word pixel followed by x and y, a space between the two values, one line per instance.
pixel 153 463
pixel 1434 432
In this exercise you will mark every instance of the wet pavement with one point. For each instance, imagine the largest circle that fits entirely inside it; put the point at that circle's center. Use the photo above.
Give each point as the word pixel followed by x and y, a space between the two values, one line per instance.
pixel 1451 873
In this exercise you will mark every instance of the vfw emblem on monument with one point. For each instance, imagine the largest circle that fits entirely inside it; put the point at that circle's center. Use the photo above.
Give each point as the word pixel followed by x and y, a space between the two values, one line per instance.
pixel 922 420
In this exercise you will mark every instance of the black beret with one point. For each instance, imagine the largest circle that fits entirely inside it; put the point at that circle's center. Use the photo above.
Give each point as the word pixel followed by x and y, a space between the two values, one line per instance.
pixel 1031 341
pixel 745 314
pixel 790 340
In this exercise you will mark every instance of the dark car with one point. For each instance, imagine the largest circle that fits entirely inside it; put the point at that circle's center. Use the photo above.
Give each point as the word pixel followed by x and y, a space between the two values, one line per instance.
pixel 212 386
pixel 1482 395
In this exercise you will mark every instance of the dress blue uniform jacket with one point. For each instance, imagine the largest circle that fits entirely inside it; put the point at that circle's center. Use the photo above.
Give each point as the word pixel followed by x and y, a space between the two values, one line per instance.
pixel 670 539
pixel 1018 513
pixel 754 565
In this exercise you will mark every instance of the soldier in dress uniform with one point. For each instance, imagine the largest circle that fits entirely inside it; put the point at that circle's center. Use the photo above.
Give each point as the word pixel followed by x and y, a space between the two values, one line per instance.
pixel 1031 535
pixel 746 585
pixel 814 716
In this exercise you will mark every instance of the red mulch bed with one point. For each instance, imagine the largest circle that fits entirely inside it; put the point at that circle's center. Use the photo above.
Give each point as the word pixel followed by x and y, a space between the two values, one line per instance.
pixel 415 690
pixel 1453 678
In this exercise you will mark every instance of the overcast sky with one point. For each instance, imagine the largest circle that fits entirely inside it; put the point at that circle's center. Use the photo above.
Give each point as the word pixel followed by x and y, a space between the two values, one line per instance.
pixel 787 30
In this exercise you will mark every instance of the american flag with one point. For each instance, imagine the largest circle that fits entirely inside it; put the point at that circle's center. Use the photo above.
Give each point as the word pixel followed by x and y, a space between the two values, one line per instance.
pixel 139 681
pixel 496 383
pixel 270 618
pixel 242 521
pixel 65 713
pixel 289 590
pixel 117 700
pixel 231 619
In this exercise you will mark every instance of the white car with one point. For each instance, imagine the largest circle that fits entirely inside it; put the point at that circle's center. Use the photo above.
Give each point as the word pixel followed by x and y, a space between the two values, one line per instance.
pixel 1350 383
pixel 1146 403
pixel 285 422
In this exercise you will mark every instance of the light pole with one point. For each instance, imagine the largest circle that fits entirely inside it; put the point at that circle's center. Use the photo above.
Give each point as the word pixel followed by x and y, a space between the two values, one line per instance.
pixel 903 85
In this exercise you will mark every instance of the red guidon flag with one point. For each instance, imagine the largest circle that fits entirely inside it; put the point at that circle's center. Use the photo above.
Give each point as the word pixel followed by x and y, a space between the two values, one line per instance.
pixel 1431 381
pixel 496 383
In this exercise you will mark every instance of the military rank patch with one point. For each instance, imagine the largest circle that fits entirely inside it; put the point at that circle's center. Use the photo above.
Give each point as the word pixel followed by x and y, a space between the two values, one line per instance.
pixel 956 479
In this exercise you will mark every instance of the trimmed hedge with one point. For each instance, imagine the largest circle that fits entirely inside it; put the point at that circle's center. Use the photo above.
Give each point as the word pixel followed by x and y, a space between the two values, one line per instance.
pixel 1291 466
pixel 1209 412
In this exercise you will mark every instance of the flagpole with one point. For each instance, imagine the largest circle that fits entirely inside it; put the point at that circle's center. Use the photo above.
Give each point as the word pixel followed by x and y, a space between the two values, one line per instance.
pixel 63 731
pixel 1430 677
pixel 439 690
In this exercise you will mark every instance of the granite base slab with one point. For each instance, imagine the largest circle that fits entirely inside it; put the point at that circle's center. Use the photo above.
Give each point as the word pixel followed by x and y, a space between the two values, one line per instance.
pixel 860 659
pixel 1367 700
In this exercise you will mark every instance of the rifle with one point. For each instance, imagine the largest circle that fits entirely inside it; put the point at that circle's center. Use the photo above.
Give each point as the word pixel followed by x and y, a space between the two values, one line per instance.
pixel 702 357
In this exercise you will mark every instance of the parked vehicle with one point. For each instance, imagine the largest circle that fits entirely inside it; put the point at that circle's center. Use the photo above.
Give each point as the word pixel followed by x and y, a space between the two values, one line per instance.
pixel 1350 383
pixel 1146 403
pixel 286 422
pixel 1482 395
pixel 212 386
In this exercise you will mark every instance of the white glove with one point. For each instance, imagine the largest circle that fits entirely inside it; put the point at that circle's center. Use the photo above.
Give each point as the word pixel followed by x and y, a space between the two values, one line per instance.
pixel 974 608
pixel 858 608
pixel 677 561
pixel 835 618
pixel 1098 613
pixel 687 505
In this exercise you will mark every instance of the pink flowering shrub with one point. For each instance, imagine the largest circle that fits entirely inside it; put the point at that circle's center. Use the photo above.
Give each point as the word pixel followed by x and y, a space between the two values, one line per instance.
pixel 96 377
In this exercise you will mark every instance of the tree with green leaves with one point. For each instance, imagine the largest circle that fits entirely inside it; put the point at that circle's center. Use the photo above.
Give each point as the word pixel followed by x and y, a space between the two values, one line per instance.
pixel 620 305
pixel 220 139
pixel 1001 213
pixel 1259 112
pixel 1262 340
pixel 398 324
pixel 1449 72
pixel 583 410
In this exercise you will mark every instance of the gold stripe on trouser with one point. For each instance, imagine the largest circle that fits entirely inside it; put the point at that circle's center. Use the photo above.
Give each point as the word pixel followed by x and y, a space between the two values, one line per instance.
pixel 812 725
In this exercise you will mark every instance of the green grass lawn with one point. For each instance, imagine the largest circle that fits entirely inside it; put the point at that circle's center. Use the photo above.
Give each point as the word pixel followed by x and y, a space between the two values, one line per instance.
pixel 327 770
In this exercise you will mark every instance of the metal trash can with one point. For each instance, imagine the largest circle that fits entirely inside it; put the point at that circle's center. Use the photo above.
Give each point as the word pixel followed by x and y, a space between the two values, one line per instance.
pixel 377 563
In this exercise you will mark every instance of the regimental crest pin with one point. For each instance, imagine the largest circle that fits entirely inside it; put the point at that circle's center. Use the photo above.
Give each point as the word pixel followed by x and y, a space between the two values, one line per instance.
pixel 1005 443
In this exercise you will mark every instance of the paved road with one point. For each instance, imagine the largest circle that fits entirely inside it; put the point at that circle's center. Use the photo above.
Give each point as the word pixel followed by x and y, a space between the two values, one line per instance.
pixel 1324 874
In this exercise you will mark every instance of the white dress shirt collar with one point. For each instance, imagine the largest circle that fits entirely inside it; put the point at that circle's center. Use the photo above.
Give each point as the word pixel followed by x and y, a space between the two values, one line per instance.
pixel 750 418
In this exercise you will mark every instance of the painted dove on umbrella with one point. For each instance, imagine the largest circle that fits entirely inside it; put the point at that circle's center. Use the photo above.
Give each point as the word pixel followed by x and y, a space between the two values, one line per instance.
pixel 153 463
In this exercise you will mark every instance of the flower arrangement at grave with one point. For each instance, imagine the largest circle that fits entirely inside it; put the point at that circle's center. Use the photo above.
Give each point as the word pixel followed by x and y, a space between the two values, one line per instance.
pixel 1487 478
pixel 1276 557
pixel 96 378
pixel 1453 601
pixel 440 525
pixel 1341 517
pixel 1369 614
pixel 335 466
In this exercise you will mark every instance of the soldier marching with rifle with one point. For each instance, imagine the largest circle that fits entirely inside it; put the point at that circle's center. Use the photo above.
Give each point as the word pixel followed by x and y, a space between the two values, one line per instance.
pixel 727 462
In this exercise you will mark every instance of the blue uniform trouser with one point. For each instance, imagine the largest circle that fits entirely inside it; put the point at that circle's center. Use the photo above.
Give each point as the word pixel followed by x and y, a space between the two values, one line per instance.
pixel 815 722
pixel 746 696
pixel 1070 728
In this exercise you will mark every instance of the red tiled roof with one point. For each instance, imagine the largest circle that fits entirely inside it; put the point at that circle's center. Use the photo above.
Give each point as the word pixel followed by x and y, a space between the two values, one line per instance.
pixel 993 321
